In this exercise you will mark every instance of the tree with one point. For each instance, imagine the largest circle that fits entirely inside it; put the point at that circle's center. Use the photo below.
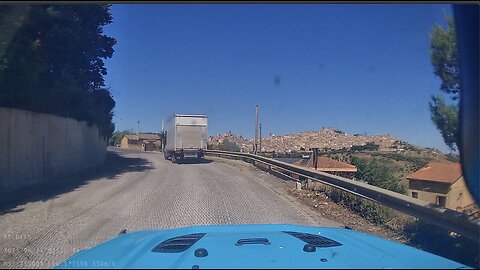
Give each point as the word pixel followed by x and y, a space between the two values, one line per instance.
pixel 117 137
pixel 226 145
pixel 445 118
pixel 53 61
pixel 370 146
pixel 452 157
pixel 375 173
pixel 443 55
pixel 211 146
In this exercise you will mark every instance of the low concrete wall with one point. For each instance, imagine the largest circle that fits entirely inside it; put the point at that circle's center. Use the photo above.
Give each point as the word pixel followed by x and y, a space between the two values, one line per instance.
pixel 37 148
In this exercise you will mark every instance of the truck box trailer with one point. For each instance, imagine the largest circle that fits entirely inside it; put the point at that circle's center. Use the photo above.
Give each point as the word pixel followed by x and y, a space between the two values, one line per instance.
pixel 186 137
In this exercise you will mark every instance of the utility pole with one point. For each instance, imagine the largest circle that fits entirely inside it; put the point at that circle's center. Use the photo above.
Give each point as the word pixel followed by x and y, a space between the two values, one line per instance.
pixel 163 119
pixel 315 157
pixel 255 147
pixel 260 148
pixel 162 135
pixel 138 127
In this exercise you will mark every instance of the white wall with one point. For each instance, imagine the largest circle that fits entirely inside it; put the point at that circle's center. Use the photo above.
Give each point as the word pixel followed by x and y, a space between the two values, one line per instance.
pixel 36 148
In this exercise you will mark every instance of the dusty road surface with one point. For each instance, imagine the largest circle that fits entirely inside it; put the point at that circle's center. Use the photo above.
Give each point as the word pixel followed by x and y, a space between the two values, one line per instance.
pixel 137 191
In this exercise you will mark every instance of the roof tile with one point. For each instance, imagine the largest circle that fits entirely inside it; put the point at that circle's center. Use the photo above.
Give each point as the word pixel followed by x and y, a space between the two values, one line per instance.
pixel 445 172
pixel 327 164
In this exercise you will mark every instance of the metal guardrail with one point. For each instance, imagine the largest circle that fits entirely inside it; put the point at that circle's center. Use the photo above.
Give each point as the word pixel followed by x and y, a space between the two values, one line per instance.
pixel 446 218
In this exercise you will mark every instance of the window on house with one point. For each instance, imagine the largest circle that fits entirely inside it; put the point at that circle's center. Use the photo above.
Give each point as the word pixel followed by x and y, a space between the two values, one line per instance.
pixel 415 195
pixel 441 200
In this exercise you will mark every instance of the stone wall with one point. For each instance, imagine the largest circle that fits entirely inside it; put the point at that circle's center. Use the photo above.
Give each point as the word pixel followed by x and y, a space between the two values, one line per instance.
pixel 37 148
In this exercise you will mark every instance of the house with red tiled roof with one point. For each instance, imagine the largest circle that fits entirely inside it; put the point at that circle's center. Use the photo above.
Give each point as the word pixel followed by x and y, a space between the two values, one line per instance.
pixel 442 183
pixel 324 164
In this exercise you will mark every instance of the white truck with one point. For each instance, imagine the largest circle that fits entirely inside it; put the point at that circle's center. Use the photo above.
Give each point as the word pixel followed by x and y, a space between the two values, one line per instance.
pixel 186 137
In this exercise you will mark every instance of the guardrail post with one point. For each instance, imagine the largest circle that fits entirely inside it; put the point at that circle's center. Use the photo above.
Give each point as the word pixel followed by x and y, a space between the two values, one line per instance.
pixel 298 186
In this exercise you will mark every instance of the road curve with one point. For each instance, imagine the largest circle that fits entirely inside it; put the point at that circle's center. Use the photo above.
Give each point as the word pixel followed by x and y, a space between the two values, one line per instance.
pixel 136 191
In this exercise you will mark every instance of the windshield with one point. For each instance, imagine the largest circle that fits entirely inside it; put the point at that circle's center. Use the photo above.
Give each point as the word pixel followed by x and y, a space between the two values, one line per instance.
pixel 118 117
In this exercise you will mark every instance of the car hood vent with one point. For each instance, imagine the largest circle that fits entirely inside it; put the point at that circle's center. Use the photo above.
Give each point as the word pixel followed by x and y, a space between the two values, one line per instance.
pixel 316 240
pixel 178 244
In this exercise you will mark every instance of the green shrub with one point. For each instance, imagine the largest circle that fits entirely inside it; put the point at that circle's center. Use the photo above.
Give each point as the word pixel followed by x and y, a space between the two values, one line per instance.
pixel 439 241
pixel 374 172
pixel 369 210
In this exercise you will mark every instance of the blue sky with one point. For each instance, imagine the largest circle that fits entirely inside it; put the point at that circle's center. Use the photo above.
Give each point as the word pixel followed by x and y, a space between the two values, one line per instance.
pixel 363 67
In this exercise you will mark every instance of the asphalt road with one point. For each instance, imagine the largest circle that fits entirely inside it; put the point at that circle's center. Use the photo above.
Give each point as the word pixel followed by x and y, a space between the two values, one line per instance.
pixel 137 191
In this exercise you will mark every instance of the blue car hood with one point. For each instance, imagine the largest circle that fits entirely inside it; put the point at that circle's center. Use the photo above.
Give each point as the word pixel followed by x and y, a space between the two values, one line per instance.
pixel 254 246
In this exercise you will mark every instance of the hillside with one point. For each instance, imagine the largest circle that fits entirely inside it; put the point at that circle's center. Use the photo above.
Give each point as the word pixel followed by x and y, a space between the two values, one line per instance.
pixel 325 139
pixel 400 157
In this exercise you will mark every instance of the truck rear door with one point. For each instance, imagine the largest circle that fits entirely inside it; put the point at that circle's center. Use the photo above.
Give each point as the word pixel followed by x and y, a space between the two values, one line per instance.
pixel 189 137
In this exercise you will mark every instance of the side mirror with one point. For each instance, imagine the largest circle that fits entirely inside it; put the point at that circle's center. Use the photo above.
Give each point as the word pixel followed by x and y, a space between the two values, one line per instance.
pixel 467 29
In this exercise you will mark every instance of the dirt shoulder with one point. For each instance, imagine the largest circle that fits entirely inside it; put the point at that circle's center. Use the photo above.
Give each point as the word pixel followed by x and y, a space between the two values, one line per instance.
pixel 317 204
pixel 399 228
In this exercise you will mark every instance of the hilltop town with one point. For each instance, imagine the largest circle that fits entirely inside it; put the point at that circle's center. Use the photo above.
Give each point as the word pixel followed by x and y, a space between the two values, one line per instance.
pixel 325 138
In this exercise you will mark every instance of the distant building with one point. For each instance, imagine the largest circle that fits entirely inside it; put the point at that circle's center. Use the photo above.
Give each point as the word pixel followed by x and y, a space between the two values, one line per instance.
pixel 141 142
pixel 324 164
pixel 330 166
pixel 442 183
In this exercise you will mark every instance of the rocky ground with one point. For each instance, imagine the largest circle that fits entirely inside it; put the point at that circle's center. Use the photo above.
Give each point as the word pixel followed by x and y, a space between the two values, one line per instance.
pixel 319 201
